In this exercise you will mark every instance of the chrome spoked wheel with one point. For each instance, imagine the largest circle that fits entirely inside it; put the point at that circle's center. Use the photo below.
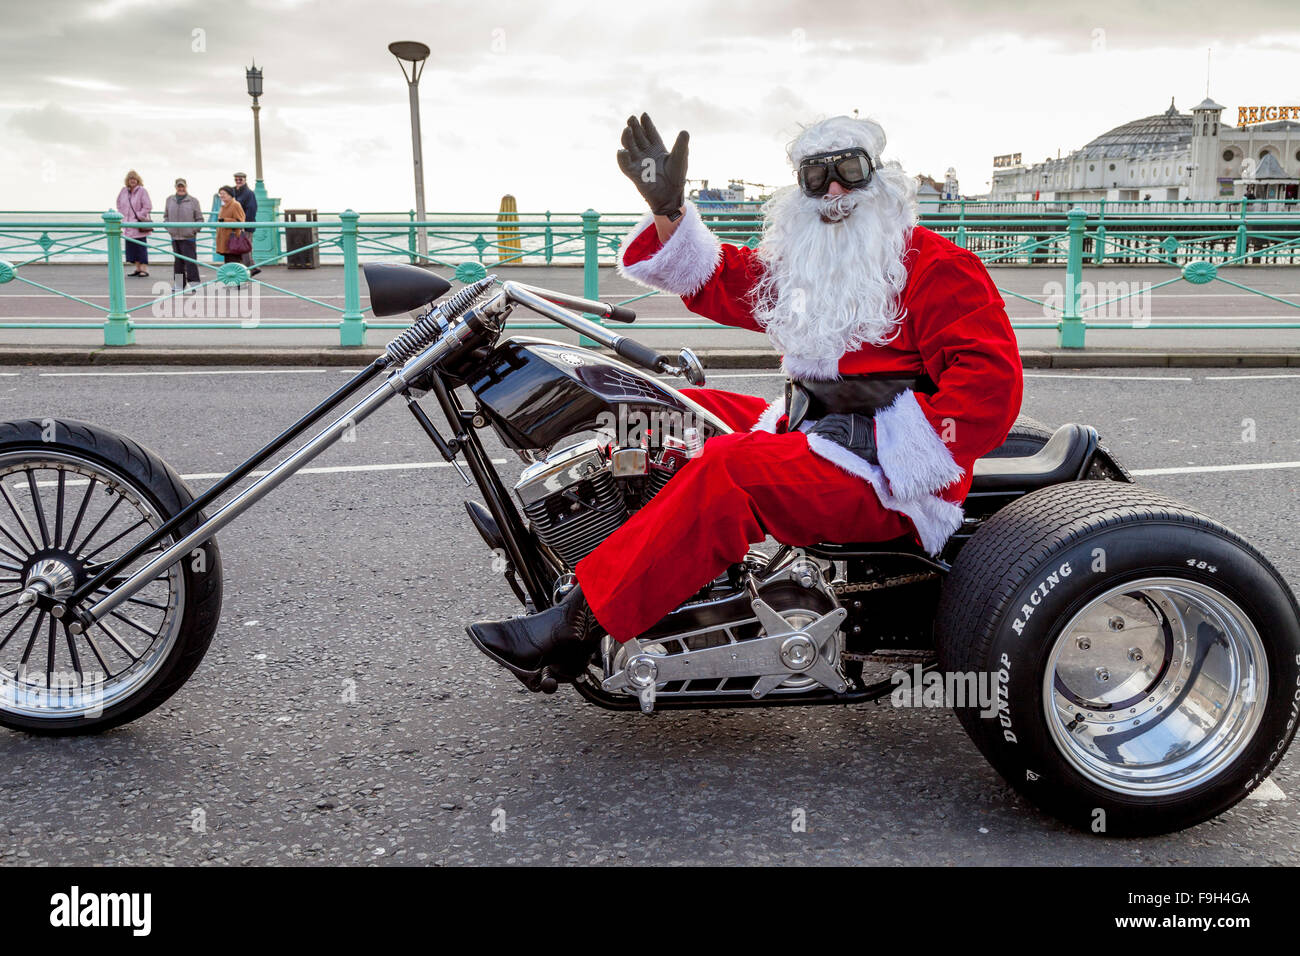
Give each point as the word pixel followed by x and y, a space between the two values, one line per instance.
pixel 63 518
pixel 1155 687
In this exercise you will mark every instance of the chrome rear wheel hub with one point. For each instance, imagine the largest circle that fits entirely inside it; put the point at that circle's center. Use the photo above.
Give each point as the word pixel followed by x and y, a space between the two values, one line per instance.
pixel 1155 686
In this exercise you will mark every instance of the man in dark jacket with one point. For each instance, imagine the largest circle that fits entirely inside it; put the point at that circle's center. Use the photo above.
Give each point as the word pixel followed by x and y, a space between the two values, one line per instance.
pixel 248 200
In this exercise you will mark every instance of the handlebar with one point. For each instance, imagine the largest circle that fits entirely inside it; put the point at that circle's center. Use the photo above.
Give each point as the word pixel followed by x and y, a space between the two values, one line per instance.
pixel 551 304
pixel 616 313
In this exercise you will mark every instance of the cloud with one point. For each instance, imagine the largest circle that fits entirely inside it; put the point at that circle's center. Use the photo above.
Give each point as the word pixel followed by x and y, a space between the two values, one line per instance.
pixel 529 97
pixel 51 124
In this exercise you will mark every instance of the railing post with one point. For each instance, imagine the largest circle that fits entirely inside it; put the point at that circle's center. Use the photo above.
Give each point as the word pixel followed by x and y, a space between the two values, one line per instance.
pixel 410 237
pixel 1070 332
pixel 117 327
pixel 352 330
pixel 961 224
pixel 211 234
pixel 550 239
pixel 1242 245
pixel 1099 243
pixel 590 263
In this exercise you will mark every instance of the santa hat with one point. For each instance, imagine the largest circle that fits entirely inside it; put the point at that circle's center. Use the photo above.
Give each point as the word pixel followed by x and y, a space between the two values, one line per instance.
pixel 838 132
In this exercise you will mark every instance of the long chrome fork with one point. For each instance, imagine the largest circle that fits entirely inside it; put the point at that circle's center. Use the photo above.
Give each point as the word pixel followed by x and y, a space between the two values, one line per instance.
pixel 393 386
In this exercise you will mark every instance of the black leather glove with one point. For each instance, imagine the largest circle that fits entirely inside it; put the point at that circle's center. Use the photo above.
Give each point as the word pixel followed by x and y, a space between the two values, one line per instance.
pixel 855 432
pixel 660 176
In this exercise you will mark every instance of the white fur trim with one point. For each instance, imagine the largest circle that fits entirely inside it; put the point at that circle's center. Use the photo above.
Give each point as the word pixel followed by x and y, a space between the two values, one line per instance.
pixel 821 370
pixel 683 264
pixel 912 455
pixel 771 415
pixel 934 518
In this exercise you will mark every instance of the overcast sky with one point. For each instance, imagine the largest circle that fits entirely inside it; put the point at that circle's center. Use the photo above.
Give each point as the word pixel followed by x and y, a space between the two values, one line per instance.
pixel 529 97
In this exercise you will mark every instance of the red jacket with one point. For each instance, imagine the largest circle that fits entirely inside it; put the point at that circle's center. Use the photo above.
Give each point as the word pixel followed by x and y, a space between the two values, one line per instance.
pixel 955 330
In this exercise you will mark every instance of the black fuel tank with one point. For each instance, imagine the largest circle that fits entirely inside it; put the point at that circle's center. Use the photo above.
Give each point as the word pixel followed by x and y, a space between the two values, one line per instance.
pixel 535 392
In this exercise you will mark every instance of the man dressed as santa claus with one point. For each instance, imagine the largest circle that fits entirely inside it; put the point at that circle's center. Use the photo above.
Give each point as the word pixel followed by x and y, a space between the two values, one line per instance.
pixel 902 371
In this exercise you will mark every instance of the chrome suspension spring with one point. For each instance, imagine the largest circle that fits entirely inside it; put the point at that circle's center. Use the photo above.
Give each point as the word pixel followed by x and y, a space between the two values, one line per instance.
pixel 425 330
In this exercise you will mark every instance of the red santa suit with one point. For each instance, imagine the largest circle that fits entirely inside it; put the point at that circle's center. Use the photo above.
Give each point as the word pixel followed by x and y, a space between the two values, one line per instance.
pixel 803 489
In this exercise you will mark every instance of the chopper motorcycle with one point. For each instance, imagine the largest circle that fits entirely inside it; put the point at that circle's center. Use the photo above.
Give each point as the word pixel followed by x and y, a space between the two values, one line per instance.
pixel 1142 660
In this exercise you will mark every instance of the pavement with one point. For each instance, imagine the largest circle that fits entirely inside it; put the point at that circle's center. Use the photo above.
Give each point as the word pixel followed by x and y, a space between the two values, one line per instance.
pixel 253 311
pixel 341 716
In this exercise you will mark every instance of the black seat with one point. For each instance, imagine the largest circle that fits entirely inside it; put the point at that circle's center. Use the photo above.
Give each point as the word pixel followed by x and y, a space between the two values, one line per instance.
pixel 1061 459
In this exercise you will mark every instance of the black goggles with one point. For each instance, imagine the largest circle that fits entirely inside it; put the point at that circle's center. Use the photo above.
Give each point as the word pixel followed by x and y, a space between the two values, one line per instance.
pixel 851 168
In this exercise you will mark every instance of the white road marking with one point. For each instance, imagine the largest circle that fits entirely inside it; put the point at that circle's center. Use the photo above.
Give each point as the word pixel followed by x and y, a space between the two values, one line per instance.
pixel 1111 378
pixel 1267 790
pixel 342 469
pixel 416 465
pixel 321 470
pixel 709 377
pixel 1229 378
pixel 1108 378
pixel 217 371
pixel 1205 469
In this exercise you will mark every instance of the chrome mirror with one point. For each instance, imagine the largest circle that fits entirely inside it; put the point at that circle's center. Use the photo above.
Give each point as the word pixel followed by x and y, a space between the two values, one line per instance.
pixel 691 367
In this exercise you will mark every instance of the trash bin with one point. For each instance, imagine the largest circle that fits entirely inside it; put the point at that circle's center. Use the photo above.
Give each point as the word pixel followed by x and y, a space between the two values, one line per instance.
pixel 296 238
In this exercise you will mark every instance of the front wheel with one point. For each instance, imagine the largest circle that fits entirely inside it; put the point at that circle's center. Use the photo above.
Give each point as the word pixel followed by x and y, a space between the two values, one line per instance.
pixel 1142 660
pixel 73 497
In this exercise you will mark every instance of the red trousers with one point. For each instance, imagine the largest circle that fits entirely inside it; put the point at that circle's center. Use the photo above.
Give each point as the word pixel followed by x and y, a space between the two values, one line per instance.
pixel 743 487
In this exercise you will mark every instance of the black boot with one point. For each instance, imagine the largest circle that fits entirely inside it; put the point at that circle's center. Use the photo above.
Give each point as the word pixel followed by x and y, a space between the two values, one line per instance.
pixel 541 649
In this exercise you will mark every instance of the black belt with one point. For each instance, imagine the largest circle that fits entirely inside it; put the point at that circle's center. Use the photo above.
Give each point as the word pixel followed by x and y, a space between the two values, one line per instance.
pixel 852 394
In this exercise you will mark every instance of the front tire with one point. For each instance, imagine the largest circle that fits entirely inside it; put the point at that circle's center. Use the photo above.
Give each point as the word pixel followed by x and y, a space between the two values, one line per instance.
pixel 72 498
pixel 1146 659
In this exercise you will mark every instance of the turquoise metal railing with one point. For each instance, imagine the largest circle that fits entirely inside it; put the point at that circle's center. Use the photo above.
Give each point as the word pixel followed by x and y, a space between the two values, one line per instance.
pixel 1196 244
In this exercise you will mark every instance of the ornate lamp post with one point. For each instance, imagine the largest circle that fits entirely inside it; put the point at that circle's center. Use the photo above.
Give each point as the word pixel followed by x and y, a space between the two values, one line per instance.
pixel 409 51
pixel 266 242
pixel 254 76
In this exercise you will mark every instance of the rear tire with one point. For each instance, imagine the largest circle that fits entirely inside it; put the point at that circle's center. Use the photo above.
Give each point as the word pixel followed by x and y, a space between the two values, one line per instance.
pixel 76 495
pixel 1026 437
pixel 1056 594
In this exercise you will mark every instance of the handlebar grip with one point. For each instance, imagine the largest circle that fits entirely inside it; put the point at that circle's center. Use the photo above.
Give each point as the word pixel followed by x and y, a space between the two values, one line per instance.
pixel 642 355
pixel 620 314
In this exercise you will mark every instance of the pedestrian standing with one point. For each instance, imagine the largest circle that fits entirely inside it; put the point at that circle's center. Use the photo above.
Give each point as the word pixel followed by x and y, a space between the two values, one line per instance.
pixel 182 207
pixel 230 211
pixel 248 202
pixel 135 206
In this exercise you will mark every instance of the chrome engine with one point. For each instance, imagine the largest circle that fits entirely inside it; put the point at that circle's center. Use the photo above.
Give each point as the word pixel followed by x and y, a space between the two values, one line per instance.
pixel 578 495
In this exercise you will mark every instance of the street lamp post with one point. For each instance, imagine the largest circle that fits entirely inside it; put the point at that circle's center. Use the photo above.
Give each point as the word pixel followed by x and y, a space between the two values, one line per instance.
pixel 409 51
pixel 254 76
pixel 266 242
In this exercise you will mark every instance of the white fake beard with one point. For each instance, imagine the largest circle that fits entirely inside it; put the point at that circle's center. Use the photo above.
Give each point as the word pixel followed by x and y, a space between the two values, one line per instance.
pixel 833 274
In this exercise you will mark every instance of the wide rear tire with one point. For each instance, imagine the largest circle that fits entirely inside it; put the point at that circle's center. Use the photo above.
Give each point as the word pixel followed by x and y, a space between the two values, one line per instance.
pixel 1145 658
pixel 1026 437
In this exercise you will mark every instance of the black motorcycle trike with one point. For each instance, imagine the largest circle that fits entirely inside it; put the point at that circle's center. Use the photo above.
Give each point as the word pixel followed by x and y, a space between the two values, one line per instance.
pixel 1124 661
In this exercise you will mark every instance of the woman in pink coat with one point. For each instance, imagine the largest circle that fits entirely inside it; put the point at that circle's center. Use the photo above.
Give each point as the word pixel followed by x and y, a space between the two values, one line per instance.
pixel 135 206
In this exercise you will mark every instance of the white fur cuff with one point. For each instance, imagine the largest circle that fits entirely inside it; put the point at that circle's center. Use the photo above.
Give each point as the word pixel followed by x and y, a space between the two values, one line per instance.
pixel 934 518
pixel 771 415
pixel 912 455
pixel 683 264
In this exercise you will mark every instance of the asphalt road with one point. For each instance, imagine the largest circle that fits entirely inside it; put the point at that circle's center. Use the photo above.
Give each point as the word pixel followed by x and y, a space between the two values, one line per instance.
pixel 363 579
